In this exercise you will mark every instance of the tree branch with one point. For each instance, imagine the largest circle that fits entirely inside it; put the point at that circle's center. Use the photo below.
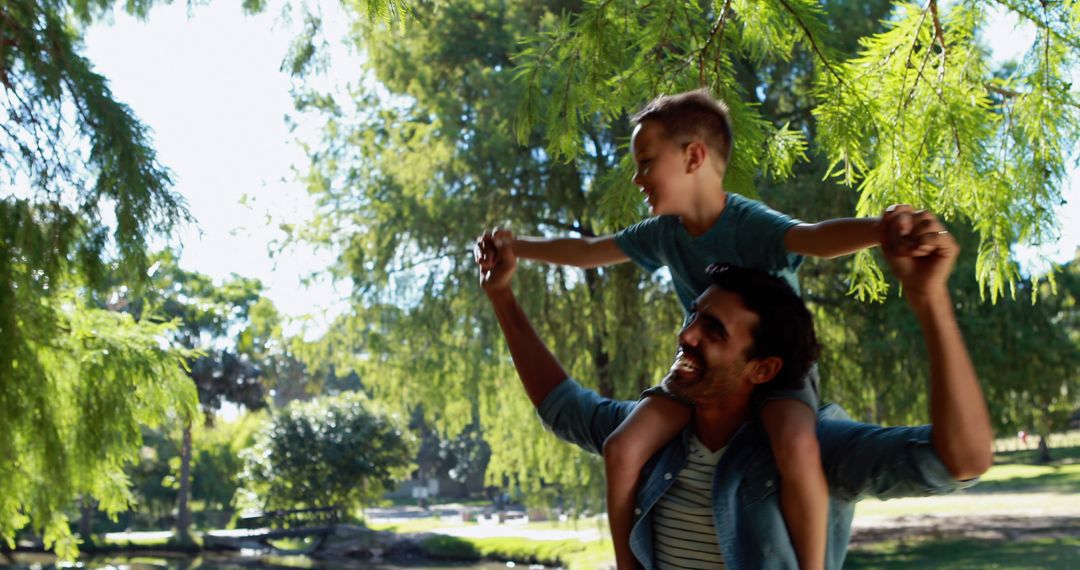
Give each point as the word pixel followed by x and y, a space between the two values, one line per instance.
pixel 813 42
pixel 721 22
pixel 938 33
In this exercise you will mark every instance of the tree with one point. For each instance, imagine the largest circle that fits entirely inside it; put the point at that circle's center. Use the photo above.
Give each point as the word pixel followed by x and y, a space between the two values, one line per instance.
pixel 328 452
pixel 420 333
pixel 415 159
pixel 1029 352
pixel 283 374
pixel 916 116
pixel 75 382
pixel 213 320
pixel 457 458
pixel 102 375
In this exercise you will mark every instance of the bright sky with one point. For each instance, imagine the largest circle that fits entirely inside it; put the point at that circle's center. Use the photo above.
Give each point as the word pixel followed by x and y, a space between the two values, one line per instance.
pixel 209 85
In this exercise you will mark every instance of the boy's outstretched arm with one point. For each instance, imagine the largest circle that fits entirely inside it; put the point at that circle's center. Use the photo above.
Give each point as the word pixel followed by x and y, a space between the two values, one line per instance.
pixel 584 252
pixel 539 370
pixel 833 238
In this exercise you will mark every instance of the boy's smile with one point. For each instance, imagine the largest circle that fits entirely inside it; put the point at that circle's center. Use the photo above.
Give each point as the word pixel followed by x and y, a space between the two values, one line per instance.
pixel 660 166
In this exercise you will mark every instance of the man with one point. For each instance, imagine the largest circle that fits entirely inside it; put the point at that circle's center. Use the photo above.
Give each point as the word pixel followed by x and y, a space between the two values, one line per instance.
pixel 729 347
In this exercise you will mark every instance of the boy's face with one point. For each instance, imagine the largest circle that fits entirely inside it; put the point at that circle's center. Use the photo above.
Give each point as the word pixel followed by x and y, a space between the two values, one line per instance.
pixel 662 172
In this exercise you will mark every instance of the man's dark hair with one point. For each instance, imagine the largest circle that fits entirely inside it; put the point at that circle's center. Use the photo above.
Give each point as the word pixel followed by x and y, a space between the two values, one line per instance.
pixel 785 327
pixel 693 115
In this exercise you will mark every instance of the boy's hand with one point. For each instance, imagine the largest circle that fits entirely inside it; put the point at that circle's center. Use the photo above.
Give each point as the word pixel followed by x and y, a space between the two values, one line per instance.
pixel 919 249
pixel 495 258
pixel 896 229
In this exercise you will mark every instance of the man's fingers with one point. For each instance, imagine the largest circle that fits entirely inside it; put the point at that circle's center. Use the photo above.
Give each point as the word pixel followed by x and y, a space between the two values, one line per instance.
pixel 897 219
pixel 502 236
pixel 485 252
pixel 926 235
pixel 897 208
pixel 938 242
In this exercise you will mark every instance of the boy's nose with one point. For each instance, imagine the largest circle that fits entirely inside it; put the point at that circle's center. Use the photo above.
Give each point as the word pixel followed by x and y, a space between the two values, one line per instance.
pixel 636 178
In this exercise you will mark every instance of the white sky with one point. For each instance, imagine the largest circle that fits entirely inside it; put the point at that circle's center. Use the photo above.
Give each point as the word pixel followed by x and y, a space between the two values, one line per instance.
pixel 208 84
pixel 210 88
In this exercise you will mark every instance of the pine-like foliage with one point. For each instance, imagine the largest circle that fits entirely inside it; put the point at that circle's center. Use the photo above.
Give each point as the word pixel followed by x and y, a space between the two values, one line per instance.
pixel 488 112
pixel 917 116
pixel 81 193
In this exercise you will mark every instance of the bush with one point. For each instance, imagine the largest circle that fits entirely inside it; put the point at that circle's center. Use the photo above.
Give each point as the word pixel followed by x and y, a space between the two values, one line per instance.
pixel 327 452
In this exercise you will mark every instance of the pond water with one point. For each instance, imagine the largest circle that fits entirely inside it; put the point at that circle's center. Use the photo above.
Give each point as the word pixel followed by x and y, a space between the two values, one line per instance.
pixel 25 561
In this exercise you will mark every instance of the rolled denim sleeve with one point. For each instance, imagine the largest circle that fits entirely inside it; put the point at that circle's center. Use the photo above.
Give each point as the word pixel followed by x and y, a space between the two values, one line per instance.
pixel 581 416
pixel 867 460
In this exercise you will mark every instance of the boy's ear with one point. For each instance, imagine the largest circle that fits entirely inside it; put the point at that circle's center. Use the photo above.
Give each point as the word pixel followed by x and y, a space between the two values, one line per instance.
pixel 696 154
pixel 765 369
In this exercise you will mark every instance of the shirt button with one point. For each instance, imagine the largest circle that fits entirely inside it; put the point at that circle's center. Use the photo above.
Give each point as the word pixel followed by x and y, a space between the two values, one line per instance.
pixel 637 512
pixel 768 483
pixel 667 475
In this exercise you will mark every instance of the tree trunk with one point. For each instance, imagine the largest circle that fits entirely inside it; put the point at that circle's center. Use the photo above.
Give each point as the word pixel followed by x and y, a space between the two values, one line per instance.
pixel 183 515
pixel 605 385
pixel 1044 450
pixel 86 519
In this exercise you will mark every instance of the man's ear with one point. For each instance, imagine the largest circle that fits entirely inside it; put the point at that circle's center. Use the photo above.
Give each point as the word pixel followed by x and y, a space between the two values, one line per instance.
pixel 765 369
pixel 696 153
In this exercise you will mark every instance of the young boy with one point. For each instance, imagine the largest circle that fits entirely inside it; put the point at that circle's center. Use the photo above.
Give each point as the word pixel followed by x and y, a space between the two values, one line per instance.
pixel 682 145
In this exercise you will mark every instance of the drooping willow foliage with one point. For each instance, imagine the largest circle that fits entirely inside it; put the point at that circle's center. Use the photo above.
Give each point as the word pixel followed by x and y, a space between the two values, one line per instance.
pixel 472 113
pixel 917 115
pixel 81 195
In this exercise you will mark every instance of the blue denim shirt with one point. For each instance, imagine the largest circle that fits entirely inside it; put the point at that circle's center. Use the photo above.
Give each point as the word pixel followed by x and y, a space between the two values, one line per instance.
pixel 859 460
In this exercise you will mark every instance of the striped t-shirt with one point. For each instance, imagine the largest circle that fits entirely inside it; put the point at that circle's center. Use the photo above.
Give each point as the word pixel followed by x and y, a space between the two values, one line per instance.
pixel 684 531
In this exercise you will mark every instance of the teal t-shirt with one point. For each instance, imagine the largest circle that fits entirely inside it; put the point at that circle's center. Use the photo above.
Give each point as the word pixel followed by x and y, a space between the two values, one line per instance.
pixel 747 233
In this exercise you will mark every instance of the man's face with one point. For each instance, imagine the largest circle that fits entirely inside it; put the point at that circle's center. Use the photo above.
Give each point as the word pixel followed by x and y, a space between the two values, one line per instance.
pixel 711 364
pixel 661 169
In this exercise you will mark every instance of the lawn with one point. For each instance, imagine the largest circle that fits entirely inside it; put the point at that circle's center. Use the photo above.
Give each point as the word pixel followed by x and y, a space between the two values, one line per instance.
pixel 571 554
pixel 1059 552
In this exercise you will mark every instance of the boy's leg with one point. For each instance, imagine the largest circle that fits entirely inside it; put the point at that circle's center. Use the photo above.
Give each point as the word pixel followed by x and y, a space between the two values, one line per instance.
pixel 804 494
pixel 653 423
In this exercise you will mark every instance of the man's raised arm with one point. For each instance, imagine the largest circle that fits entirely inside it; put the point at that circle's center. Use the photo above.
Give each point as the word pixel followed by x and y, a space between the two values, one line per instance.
pixel 538 369
pixel 922 253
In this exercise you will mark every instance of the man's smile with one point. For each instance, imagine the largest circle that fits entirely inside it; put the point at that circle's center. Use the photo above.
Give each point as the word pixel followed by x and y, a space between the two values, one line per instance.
pixel 687 364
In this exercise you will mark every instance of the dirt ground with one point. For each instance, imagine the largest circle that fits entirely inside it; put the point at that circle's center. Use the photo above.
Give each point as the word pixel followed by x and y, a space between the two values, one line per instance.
pixel 986 516
pixel 986 527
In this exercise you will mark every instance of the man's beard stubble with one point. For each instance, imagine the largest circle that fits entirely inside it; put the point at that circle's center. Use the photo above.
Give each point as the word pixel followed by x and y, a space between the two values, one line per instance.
pixel 714 385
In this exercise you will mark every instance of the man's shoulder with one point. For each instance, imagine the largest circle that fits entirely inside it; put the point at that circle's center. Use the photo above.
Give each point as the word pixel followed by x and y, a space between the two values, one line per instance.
pixel 581 416
pixel 832 411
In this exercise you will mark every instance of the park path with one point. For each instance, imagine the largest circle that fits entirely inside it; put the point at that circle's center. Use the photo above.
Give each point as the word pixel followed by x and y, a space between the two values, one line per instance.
pixel 995 515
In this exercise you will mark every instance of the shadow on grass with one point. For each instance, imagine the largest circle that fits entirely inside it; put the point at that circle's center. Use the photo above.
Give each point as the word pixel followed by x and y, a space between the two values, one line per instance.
pixel 1059 479
pixel 1058 455
pixel 1061 553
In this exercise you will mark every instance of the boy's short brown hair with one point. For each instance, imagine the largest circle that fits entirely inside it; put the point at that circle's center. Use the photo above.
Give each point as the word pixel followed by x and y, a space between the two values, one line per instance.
pixel 693 115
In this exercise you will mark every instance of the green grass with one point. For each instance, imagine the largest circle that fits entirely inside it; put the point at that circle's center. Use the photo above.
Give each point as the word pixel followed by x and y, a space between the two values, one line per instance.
pixel 1061 553
pixel 1058 455
pixel 572 554
pixel 167 544
pixel 1020 477
pixel 417 525
pixel 132 542
pixel 431 523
